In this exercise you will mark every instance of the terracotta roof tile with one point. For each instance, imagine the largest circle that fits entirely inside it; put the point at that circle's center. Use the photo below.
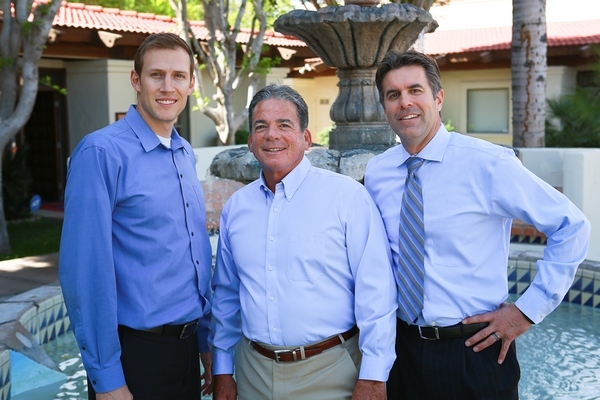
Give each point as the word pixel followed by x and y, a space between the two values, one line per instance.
pixel 570 33
pixel 78 15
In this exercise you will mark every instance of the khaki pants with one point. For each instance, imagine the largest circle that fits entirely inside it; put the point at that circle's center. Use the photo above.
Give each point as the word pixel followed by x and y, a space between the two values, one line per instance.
pixel 329 375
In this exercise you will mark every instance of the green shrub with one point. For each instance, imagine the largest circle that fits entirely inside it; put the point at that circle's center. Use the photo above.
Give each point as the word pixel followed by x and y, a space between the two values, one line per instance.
pixel 573 120
pixel 241 136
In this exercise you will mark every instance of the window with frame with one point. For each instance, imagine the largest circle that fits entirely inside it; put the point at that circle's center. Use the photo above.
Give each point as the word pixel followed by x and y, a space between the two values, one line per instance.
pixel 488 110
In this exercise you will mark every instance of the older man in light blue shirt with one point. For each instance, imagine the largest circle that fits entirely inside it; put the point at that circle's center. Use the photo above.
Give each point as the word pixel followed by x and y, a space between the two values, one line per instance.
pixel 302 260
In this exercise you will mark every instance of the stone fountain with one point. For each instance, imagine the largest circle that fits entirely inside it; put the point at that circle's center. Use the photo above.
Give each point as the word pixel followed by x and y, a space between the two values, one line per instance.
pixel 353 38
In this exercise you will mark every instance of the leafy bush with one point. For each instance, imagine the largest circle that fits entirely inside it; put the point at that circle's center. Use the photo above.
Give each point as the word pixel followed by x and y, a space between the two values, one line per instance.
pixel 241 136
pixel 323 135
pixel 574 119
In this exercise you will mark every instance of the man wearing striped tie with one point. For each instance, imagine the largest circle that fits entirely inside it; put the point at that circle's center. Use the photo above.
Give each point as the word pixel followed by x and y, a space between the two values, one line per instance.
pixel 447 202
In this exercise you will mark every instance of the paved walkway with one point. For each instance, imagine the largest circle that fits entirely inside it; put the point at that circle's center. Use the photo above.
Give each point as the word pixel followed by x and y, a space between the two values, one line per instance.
pixel 22 274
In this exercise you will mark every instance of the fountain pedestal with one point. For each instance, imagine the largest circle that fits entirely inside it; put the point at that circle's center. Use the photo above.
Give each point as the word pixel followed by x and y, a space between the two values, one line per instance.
pixel 354 40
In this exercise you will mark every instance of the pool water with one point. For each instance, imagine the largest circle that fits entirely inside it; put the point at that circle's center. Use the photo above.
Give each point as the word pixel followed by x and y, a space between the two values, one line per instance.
pixel 65 353
pixel 560 358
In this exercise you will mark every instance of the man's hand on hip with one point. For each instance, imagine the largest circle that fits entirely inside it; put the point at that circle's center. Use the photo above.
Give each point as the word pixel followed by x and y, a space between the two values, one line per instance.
pixel 505 323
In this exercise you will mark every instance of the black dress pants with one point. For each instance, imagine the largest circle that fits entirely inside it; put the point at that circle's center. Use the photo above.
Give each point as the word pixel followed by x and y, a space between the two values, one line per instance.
pixel 447 369
pixel 159 367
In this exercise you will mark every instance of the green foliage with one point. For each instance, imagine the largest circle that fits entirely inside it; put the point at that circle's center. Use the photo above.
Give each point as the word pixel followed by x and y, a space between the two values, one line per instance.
pixel 158 7
pixel 264 64
pixel 33 237
pixel 6 61
pixel 47 81
pixel 272 8
pixel 241 136
pixel 16 183
pixel 449 127
pixel 323 135
pixel 573 120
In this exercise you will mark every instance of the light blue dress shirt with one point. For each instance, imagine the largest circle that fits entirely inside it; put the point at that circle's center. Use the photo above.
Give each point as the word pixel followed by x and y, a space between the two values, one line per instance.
pixel 134 248
pixel 304 263
pixel 472 190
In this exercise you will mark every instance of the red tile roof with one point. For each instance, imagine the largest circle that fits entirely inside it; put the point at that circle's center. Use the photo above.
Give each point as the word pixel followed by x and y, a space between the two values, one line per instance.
pixel 79 15
pixel 573 33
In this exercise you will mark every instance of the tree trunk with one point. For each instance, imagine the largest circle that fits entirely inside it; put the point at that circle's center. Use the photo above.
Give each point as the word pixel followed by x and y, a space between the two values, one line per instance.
pixel 529 66
pixel 27 31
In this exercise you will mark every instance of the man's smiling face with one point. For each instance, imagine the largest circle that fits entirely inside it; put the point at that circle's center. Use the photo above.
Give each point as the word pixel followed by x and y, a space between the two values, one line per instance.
pixel 411 108
pixel 163 88
pixel 276 140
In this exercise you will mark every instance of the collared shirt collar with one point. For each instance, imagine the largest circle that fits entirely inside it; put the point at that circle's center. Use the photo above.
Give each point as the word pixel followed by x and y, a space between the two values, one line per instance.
pixel 292 181
pixel 146 134
pixel 434 150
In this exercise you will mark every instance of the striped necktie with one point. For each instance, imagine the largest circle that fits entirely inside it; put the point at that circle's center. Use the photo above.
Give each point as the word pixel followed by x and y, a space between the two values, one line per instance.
pixel 412 244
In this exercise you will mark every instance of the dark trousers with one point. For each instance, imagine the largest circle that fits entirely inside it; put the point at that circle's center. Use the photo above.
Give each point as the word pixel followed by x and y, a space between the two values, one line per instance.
pixel 159 367
pixel 447 369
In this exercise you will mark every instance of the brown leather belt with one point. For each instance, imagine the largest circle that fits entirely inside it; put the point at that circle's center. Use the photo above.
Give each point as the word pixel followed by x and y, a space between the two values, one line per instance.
pixel 301 352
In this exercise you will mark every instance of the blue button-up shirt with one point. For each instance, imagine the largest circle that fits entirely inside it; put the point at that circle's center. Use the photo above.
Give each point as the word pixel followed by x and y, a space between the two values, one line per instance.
pixel 304 263
pixel 134 248
pixel 472 190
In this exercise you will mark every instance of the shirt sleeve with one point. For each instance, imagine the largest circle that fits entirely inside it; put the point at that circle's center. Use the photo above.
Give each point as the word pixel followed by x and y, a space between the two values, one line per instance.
pixel 226 321
pixel 87 271
pixel 375 287
pixel 523 195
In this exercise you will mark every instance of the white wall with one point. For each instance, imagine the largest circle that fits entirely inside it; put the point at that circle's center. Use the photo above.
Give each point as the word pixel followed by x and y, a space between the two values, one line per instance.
pixel 577 172
pixel 97 89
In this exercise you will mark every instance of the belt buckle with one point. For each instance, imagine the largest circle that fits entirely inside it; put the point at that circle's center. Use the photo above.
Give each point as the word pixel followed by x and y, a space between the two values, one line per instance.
pixel 435 329
pixel 184 331
pixel 278 352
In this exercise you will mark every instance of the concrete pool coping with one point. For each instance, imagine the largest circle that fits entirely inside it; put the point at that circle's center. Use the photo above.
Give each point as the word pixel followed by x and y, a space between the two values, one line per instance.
pixel 36 316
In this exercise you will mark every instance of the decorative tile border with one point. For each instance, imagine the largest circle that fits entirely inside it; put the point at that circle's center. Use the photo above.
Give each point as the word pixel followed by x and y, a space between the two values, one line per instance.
pixel 585 289
pixel 42 313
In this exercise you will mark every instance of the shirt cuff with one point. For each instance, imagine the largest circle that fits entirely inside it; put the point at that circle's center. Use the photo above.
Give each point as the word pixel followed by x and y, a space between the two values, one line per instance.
pixel 375 369
pixel 222 362
pixel 108 379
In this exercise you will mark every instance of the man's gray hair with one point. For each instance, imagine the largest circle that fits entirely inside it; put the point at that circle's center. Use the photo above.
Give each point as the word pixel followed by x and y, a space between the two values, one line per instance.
pixel 280 92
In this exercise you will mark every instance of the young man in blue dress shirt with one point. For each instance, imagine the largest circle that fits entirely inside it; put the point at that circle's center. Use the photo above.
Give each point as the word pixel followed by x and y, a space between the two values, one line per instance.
pixel 302 262
pixel 135 259
pixel 461 344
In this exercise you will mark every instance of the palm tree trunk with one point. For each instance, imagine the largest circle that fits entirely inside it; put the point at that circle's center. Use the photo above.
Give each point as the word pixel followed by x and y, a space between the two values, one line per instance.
pixel 529 65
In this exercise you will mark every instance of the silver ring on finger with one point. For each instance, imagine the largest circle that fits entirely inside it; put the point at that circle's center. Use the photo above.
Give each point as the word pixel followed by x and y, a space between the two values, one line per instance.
pixel 495 335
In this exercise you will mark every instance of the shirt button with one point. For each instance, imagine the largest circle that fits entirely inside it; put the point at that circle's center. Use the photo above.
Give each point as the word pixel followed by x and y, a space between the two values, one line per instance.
pixel 271 238
pixel 274 329
pixel 275 209
pixel 181 175
pixel 187 204
pixel 192 233
pixel 272 298
pixel 197 262
pixel 270 268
